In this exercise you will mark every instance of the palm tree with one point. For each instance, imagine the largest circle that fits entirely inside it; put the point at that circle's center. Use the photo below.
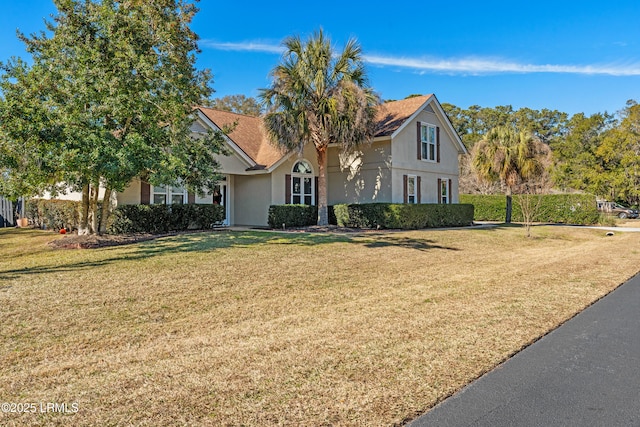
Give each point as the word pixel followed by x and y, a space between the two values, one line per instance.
pixel 320 97
pixel 510 158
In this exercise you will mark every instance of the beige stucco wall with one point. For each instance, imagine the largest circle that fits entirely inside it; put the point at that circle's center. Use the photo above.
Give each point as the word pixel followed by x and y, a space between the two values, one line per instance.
pixel 251 198
pixel 361 176
pixel 130 195
pixel 405 161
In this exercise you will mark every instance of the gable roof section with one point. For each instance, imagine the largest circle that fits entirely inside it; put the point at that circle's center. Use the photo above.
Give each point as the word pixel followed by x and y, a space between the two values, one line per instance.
pixel 249 138
pixel 393 116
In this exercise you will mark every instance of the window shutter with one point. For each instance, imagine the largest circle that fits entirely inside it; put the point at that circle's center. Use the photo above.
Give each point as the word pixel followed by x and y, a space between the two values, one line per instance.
pixel 191 198
pixel 287 189
pixel 450 194
pixel 419 142
pixel 145 193
pixel 315 183
pixel 438 143
pixel 439 190
pixel 419 196
pixel 404 185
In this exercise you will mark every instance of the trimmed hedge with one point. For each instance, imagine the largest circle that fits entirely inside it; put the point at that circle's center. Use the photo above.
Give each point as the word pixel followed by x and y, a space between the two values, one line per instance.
pixel 57 214
pixel 554 208
pixel 403 216
pixel 53 214
pixel 163 218
pixel 296 216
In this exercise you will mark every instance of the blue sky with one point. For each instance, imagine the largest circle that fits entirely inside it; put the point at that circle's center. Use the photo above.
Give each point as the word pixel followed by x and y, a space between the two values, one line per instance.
pixel 571 56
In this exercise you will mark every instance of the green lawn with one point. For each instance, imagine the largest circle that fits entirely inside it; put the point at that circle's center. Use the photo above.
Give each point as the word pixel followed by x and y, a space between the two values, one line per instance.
pixel 259 328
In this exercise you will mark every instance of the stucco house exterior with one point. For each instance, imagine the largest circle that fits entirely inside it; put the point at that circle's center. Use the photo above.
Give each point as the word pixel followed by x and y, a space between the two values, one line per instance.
pixel 412 159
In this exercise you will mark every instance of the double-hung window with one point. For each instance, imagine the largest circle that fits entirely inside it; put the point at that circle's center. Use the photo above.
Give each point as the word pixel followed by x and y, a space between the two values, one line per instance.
pixel 411 189
pixel 428 142
pixel 444 191
pixel 163 195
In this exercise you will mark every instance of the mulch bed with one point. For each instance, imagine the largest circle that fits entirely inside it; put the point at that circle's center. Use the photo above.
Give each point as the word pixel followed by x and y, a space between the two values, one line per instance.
pixel 73 241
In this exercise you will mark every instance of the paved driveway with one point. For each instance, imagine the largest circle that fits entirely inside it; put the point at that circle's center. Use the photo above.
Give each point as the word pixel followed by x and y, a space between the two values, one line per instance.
pixel 585 373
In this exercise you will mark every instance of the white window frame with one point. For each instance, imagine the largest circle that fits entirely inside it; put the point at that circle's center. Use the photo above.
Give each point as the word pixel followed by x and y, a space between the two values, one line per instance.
pixel 302 176
pixel 445 198
pixel 428 147
pixel 168 194
pixel 413 178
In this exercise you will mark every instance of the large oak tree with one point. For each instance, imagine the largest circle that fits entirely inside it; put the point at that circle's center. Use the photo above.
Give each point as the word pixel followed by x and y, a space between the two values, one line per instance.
pixel 108 97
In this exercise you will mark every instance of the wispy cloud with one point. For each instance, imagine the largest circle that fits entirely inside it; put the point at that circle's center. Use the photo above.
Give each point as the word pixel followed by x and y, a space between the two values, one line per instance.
pixel 467 65
pixel 496 66
pixel 246 46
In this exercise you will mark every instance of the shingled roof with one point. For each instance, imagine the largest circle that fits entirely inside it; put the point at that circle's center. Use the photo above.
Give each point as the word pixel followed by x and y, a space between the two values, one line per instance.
pixel 391 115
pixel 251 137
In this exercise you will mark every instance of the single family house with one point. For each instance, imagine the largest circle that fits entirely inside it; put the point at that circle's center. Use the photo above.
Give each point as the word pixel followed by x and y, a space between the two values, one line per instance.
pixel 413 159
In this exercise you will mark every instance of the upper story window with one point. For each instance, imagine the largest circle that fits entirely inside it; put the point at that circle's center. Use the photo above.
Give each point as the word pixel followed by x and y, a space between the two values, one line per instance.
pixel 163 195
pixel 428 142
pixel 302 188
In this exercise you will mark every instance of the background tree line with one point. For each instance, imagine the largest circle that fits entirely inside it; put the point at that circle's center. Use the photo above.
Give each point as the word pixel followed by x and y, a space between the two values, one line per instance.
pixel 599 154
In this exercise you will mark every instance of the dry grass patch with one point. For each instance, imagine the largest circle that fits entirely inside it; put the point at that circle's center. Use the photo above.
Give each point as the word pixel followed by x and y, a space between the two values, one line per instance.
pixel 259 328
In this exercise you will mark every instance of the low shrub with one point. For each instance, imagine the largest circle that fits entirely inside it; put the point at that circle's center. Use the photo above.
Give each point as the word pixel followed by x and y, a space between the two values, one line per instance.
pixel 403 216
pixel 296 216
pixel 292 216
pixel 553 208
pixel 53 214
pixel 157 219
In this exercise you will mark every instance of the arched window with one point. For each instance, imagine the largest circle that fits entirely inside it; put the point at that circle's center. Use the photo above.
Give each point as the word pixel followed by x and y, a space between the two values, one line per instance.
pixel 302 188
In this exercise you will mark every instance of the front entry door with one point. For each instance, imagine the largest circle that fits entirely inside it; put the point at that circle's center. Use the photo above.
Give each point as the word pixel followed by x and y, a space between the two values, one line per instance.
pixel 220 197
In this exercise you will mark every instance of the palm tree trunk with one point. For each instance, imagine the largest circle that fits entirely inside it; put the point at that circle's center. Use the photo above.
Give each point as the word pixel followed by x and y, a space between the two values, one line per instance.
pixel 323 214
pixel 509 206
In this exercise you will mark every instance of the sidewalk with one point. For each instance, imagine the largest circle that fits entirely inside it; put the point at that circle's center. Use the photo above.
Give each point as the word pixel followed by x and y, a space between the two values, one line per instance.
pixel 585 373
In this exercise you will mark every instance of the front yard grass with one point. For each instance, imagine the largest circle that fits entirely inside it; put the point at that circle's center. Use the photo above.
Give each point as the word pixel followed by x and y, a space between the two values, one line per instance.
pixel 259 328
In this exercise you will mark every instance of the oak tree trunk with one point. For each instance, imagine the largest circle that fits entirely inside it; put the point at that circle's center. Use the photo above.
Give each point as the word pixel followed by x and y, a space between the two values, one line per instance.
pixel 93 209
pixel 105 211
pixel 83 226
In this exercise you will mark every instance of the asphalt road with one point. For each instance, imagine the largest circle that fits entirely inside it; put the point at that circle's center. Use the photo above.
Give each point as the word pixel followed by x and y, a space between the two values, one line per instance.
pixel 585 373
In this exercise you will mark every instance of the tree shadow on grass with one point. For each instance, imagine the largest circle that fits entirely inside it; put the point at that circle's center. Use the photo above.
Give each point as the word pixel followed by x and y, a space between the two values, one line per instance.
pixel 406 242
pixel 58 268
pixel 213 241
pixel 183 243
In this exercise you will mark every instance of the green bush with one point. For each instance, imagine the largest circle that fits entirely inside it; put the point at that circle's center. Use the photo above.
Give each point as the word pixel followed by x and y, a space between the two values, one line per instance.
pixel 292 216
pixel 296 215
pixel 553 208
pixel 53 214
pixel 157 219
pixel 403 216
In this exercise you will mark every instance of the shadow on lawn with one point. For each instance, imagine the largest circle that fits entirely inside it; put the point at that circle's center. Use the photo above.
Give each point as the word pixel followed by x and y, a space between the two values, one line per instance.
pixel 208 241
pixel 60 268
pixel 405 242
pixel 212 241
